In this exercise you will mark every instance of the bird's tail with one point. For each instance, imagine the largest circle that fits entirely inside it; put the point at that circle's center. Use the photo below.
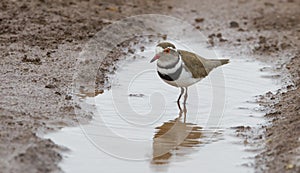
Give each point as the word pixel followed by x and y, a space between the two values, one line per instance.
pixel 219 62
pixel 224 61
pixel 213 63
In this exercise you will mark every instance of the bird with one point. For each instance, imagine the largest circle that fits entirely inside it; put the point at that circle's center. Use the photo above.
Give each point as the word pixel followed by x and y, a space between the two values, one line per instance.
pixel 181 68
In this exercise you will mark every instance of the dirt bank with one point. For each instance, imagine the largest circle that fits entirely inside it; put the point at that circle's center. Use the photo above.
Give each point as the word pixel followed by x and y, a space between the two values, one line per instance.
pixel 40 41
pixel 39 45
pixel 281 137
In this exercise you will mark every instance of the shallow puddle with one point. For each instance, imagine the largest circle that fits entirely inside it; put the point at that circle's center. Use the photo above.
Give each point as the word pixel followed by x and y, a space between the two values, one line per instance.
pixel 139 127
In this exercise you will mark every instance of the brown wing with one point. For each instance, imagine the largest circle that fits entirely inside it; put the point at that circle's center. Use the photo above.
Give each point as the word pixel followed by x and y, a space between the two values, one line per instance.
pixel 194 63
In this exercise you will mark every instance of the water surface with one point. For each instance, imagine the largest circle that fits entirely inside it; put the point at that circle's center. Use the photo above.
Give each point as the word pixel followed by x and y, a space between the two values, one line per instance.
pixel 138 127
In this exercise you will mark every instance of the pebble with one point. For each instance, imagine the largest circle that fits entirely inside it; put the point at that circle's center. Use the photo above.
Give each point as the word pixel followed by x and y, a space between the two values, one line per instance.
pixel 234 24
pixel 198 20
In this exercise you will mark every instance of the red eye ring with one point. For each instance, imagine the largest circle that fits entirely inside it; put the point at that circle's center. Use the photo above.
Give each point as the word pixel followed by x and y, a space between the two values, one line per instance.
pixel 167 50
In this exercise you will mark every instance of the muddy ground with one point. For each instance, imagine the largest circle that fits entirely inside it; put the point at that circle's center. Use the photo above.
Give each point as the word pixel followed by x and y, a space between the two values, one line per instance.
pixel 39 45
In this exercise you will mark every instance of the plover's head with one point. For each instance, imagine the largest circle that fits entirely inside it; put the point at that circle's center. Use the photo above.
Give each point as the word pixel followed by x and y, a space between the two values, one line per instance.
pixel 163 45
pixel 167 56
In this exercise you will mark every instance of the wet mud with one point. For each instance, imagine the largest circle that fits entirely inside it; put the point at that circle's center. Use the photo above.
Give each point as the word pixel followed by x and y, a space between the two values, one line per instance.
pixel 39 45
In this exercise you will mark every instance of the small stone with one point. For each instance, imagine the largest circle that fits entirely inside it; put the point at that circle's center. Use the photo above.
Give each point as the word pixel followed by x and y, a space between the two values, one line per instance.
pixel 23 7
pixel 36 61
pixel 100 91
pixel 289 87
pixel 289 166
pixel 211 42
pixel 222 40
pixel 262 40
pixel 199 20
pixel 50 86
pixel 219 35
pixel 234 24
pixel 249 38
pixel 241 30
pixel 57 93
pixel 68 97
pixel 284 45
pixel 48 54
pixel 114 9
pixel 211 35
pixel 164 36
pixel 142 48
pixel 269 4
pixel 131 51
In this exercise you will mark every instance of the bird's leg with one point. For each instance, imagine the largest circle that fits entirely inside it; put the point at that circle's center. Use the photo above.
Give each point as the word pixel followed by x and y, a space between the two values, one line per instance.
pixel 182 91
pixel 180 111
pixel 186 95
pixel 178 102
pixel 184 113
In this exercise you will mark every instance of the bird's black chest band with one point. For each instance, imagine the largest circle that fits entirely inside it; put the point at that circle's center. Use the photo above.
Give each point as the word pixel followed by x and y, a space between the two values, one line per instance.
pixel 171 76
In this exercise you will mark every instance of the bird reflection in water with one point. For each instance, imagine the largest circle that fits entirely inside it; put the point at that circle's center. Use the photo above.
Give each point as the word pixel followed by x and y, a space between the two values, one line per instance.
pixel 175 138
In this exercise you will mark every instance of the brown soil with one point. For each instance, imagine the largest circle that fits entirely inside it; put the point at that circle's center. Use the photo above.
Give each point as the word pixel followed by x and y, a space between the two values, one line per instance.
pixel 39 45
pixel 282 137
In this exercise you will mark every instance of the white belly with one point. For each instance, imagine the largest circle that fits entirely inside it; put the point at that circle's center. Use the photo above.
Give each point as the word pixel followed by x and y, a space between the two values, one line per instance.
pixel 185 79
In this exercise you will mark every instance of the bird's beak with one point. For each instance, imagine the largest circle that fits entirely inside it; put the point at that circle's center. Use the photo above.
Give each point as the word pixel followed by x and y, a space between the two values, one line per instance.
pixel 154 58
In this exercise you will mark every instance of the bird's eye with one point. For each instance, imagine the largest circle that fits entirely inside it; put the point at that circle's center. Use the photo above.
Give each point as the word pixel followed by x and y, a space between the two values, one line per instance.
pixel 167 50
